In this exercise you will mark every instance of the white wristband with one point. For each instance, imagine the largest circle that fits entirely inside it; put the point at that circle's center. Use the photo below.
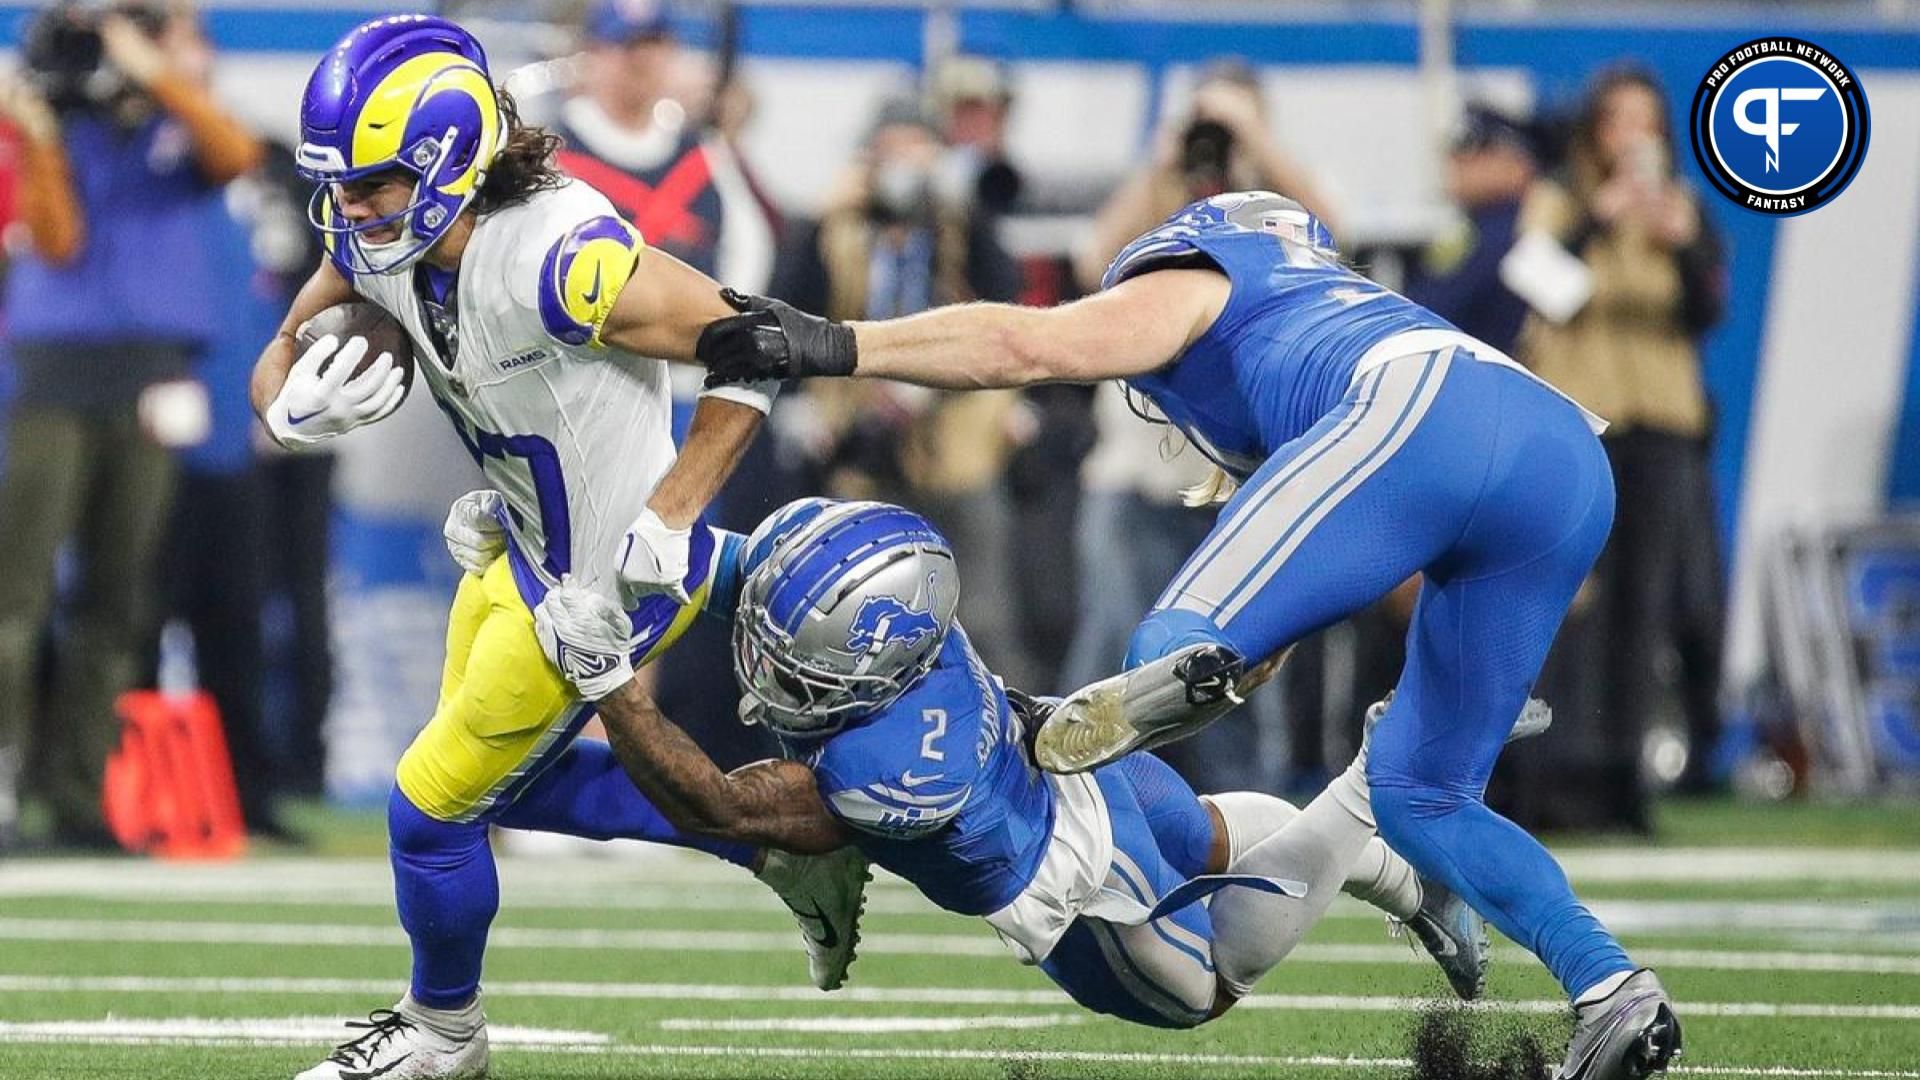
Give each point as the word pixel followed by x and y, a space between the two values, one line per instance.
pixel 754 395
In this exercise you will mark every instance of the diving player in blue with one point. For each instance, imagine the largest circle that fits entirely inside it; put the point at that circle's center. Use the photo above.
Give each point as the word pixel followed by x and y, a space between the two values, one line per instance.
pixel 1370 440
pixel 900 742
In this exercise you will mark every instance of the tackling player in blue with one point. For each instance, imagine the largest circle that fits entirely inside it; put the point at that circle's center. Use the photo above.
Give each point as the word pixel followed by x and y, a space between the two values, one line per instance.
pixel 1370 440
pixel 902 743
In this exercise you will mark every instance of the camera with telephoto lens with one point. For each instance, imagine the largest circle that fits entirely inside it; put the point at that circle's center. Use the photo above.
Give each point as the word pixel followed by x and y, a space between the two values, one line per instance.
pixel 66 60
pixel 1206 152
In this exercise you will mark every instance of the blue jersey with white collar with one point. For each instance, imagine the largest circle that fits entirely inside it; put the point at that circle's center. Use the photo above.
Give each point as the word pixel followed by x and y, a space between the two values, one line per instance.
pixel 938 789
pixel 936 786
pixel 1283 350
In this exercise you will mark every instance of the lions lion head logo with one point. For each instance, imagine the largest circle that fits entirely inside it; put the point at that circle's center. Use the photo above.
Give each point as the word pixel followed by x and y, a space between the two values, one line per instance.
pixel 885 620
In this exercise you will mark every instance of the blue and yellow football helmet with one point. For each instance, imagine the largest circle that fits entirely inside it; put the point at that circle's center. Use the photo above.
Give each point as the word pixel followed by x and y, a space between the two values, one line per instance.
pixel 406 92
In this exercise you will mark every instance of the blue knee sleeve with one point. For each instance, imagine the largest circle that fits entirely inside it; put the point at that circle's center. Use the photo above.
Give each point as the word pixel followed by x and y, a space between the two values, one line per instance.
pixel 1167 630
pixel 1505 874
pixel 1180 824
pixel 585 793
pixel 447 891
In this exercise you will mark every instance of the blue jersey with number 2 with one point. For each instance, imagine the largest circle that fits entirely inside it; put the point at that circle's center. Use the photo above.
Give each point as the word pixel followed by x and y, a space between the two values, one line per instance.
pixel 936 786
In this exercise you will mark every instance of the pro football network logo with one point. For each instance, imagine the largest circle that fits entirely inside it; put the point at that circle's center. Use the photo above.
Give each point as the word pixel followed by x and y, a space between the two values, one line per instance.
pixel 1780 126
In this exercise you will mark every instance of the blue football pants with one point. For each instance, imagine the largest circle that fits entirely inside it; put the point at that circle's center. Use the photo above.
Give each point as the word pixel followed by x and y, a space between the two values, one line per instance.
pixel 1490 485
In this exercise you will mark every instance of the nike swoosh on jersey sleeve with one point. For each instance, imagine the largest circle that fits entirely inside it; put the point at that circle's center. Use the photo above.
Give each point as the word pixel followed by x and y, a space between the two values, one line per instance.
pixel 582 275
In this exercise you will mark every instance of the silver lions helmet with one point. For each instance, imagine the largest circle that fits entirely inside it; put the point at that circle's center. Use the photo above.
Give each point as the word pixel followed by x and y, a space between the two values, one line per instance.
pixel 848 606
pixel 1265 211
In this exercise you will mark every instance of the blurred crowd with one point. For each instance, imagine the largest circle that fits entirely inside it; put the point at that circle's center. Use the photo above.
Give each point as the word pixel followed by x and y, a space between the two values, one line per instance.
pixel 152 243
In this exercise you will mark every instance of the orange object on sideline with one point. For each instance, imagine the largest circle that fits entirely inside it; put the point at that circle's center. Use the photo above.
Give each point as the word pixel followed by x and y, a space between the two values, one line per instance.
pixel 169 788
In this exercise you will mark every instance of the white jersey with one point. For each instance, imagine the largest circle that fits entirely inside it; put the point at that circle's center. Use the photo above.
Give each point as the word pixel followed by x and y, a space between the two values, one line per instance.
pixel 574 434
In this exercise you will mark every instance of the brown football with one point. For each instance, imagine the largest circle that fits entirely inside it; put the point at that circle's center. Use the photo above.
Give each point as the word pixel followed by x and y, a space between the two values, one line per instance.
pixel 362 319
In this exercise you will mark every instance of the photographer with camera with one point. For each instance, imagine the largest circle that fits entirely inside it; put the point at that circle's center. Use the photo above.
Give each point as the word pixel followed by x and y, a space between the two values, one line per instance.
pixel 897 236
pixel 108 303
pixel 1224 142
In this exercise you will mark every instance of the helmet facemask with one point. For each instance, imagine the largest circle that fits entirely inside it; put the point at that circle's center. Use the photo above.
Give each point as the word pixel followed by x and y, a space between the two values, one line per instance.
pixel 422 222
pixel 798 699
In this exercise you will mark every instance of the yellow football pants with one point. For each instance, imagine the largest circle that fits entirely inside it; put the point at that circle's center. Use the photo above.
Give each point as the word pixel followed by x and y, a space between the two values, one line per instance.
pixel 504 711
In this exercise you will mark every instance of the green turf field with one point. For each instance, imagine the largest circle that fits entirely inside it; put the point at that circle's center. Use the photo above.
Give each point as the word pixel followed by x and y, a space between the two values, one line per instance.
pixel 1800 958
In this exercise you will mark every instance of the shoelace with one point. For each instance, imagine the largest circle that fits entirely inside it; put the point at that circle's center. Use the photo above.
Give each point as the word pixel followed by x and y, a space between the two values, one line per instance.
pixel 382 1025
pixel 1399 930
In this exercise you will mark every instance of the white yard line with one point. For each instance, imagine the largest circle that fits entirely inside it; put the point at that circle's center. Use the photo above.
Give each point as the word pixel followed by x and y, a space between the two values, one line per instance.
pixel 1861 916
pixel 668 881
pixel 1313 1061
pixel 874 1025
pixel 1894 922
pixel 43 984
pixel 163 931
pixel 944 945
pixel 320 879
pixel 189 1037
pixel 711 897
pixel 1799 1011
pixel 292 1029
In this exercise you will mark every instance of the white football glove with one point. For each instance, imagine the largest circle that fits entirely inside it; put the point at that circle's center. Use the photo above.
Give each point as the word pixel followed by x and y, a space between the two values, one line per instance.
pixel 585 635
pixel 314 406
pixel 653 559
pixel 475 537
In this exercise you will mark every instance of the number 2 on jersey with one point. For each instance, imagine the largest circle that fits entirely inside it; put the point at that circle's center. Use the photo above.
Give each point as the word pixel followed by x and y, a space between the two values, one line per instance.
pixel 938 718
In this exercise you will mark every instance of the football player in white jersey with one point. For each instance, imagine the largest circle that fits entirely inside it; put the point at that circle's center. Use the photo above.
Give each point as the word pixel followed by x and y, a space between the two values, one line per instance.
pixel 540 321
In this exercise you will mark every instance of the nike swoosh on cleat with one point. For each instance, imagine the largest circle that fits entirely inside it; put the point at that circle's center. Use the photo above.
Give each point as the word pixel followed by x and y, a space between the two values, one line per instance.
pixel 826 940
pixel 372 1073
pixel 1618 1018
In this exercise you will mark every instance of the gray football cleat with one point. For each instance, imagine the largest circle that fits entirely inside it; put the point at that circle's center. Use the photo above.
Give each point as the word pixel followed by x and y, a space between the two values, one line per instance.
pixel 1536 717
pixel 826 894
pixel 1454 935
pixel 1630 1034
pixel 1152 705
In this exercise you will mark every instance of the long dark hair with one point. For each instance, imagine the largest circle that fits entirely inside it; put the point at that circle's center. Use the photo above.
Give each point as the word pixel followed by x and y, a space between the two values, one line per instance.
pixel 524 164
pixel 1583 157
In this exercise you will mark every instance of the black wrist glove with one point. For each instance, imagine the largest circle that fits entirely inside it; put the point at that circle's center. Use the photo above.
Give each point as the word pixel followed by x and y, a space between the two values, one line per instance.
pixel 772 340
pixel 1033 711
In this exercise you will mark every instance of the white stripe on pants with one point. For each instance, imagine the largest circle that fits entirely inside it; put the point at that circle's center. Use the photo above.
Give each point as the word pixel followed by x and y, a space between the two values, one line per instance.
pixel 1255 539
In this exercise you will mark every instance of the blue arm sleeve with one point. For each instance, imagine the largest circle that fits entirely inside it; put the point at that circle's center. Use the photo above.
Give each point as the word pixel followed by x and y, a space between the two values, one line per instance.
pixel 728 572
